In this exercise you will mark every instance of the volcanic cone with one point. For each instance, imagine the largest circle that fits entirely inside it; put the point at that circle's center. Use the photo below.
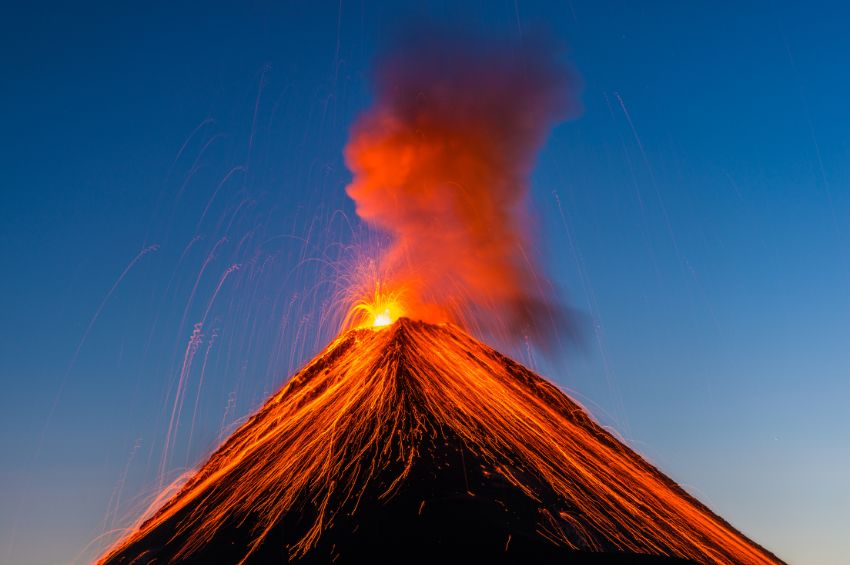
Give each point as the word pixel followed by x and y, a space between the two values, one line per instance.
pixel 416 441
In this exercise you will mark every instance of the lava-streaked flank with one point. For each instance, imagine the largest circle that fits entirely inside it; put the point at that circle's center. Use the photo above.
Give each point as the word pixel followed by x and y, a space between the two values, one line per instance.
pixel 386 427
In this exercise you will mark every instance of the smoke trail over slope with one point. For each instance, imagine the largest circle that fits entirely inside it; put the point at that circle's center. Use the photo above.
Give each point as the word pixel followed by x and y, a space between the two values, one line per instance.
pixel 441 164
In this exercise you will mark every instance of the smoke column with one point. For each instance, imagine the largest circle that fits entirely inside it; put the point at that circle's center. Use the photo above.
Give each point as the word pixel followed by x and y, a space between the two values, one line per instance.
pixel 441 164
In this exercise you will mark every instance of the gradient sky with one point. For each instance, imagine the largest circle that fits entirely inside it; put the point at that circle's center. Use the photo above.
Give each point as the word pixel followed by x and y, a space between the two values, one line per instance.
pixel 695 215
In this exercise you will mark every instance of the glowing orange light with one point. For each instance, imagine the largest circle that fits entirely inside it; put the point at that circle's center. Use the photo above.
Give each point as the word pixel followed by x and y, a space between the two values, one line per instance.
pixel 383 319
pixel 378 310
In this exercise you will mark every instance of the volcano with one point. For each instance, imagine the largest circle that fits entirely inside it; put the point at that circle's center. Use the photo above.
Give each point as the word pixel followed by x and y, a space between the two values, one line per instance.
pixel 417 442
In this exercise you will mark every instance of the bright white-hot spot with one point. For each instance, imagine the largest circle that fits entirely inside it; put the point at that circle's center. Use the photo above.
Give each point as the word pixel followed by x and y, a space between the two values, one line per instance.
pixel 383 319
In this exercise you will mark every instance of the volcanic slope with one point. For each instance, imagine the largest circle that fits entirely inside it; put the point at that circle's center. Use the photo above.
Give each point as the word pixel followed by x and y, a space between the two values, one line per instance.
pixel 414 442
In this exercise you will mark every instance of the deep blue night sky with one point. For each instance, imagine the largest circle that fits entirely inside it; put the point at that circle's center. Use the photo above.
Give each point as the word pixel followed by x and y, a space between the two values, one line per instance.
pixel 695 215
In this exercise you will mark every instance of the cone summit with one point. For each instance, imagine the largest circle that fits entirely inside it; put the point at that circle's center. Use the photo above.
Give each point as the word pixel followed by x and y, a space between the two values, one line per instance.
pixel 417 441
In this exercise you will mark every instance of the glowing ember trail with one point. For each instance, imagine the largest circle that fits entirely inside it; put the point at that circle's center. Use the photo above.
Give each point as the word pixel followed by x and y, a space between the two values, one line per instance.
pixel 418 438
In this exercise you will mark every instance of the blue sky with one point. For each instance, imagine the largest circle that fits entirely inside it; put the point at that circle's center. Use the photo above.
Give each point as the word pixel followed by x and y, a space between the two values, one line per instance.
pixel 695 214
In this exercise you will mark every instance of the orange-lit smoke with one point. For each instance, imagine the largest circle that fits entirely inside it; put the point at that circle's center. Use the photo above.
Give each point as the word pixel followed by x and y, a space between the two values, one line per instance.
pixel 441 164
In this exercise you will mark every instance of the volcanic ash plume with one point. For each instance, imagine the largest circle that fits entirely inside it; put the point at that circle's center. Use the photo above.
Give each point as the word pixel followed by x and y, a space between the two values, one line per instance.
pixel 441 164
